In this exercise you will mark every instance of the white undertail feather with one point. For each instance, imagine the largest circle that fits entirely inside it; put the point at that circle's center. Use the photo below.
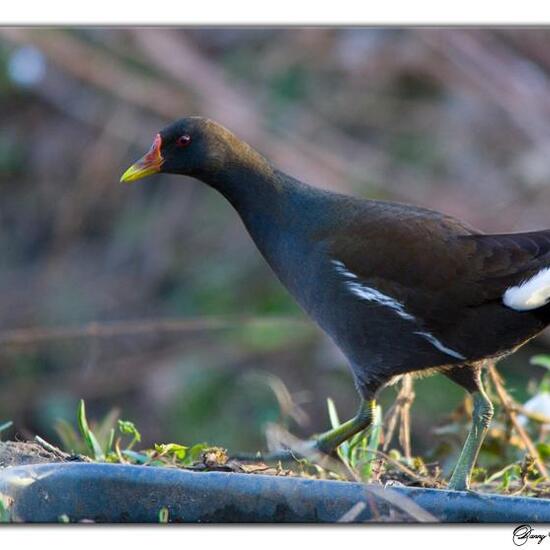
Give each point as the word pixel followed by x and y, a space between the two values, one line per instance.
pixel 530 294
pixel 372 295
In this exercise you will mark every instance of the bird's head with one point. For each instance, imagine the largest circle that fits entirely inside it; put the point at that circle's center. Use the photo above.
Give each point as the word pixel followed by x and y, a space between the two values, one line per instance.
pixel 191 146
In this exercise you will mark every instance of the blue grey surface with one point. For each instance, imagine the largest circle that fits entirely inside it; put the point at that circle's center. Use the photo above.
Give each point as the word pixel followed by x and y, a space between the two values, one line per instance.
pixel 124 493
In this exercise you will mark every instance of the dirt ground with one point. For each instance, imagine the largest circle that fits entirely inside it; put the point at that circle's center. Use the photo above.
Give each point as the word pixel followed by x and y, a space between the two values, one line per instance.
pixel 18 453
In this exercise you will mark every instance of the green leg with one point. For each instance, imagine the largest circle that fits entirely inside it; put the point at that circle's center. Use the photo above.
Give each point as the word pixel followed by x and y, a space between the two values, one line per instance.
pixel 328 441
pixel 481 418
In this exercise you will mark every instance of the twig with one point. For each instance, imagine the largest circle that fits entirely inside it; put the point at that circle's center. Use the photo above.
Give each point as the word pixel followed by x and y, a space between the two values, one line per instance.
pixel 58 452
pixel 510 409
pixel 403 503
pixel 407 396
pixel 278 437
pixel 430 482
pixel 401 410
pixel 531 415
pixel 353 513
pixel 49 447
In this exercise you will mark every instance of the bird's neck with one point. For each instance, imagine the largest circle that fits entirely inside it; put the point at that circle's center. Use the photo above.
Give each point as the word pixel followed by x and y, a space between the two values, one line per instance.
pixel 247 181
pixel 269 202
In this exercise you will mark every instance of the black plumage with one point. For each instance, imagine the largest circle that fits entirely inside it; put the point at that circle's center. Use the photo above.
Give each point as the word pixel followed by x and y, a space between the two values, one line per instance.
pixel 399 288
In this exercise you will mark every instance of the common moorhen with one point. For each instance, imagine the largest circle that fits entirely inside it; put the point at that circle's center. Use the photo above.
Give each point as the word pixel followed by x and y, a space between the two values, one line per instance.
pixel 400 289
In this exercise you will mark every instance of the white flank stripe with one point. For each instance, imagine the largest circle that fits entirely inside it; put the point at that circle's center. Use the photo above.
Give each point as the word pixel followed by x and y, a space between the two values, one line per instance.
pixel 437 344
pixel 372 295
pixel 531 294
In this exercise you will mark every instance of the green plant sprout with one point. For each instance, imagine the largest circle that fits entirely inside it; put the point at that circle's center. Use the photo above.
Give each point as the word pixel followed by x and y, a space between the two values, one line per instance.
pixel 89 437
pixel 164 515
pixel 104 442
pixel 5 515
pixel 114 440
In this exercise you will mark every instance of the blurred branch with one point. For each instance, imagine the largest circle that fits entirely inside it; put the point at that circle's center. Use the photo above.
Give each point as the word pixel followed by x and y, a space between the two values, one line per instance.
pixel 346 161
pixel 26 336
pixel 89 64
pixel 170 102
pixel 95 176
pixel 531 415
pixel 288 407
pixel 130 374
pixel 176 57
pixel 484 63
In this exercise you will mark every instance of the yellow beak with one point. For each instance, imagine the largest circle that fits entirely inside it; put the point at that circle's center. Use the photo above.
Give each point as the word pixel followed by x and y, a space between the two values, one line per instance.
pixel 147 165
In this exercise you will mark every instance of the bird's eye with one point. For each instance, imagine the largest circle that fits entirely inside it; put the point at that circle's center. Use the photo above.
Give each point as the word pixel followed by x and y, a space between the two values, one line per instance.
pixel 183 141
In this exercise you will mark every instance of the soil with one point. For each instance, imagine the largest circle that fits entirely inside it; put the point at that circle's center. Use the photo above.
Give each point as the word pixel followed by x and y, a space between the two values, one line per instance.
pixel 18 453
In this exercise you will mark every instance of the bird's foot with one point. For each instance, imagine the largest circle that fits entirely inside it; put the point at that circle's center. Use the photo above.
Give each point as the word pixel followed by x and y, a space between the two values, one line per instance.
pixel 319 447
pixel 311 449
pixel 458 484
pixel 465 488
pixel 461 488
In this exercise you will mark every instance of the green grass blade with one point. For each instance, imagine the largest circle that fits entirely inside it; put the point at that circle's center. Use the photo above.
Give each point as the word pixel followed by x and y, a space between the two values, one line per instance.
pixel 344 449
pixel 71 442
pixel 541 361
pixel 332 413
pixel 110 442
pixel 87 434
pixel 373 442
pixel 103 428
pixel 5 426
pixel 5 514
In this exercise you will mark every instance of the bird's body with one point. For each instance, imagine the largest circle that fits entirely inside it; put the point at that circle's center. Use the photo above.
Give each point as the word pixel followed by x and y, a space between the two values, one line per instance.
pixel 399 288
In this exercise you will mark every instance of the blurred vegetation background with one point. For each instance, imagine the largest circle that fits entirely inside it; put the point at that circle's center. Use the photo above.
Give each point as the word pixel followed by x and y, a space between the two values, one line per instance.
pixel 152 297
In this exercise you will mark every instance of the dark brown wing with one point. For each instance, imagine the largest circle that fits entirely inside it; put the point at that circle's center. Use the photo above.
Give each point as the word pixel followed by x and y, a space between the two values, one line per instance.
pixel 434 264
pixel 501 261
